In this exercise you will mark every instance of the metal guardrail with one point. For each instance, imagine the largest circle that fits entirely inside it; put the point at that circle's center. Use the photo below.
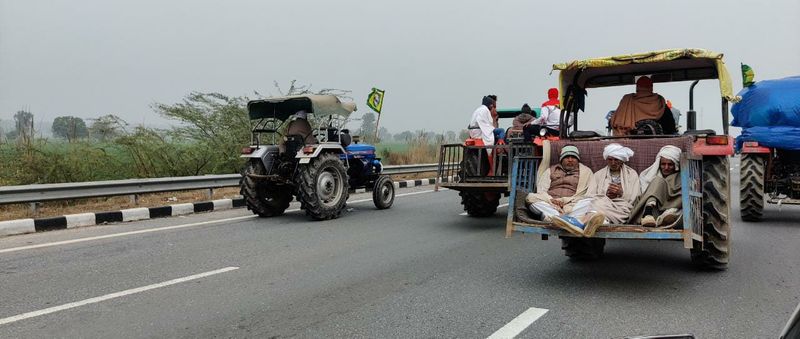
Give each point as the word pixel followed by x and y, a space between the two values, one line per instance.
pixel 133 187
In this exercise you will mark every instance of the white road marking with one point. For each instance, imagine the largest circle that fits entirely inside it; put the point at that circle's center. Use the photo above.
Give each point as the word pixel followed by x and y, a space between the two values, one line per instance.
pixel 519 324
pixel 396 195
pixel 167 228
pixel 111 296
pixel 498 206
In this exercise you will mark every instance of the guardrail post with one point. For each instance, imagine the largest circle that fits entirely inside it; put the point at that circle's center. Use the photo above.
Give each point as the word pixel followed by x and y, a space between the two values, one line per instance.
pixel 210 194
pixel 34 208
pixel 135 199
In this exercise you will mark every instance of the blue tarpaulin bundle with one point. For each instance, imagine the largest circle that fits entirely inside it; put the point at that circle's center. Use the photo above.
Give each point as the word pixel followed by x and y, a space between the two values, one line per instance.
pixel 770 113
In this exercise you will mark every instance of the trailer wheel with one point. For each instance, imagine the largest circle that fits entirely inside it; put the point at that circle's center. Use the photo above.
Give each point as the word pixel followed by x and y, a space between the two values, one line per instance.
pixel 477 204
pixel 323 187
pixel 264 199
pixel 714 251
pixel 583 248
pixel 751 186
pixel 480 204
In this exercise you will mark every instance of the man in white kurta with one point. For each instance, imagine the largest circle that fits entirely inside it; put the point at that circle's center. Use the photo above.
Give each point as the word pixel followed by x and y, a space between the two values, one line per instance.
pixel 482 124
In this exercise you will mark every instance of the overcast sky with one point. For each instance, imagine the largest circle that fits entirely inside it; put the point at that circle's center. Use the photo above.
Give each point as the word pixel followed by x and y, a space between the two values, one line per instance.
pixel 435 60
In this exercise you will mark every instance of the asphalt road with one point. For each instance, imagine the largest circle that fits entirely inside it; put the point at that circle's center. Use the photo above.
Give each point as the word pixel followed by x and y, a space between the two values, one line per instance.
pixel 417 270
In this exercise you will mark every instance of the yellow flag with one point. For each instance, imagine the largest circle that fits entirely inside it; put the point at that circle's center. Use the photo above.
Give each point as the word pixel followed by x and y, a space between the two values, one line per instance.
pixel 375 100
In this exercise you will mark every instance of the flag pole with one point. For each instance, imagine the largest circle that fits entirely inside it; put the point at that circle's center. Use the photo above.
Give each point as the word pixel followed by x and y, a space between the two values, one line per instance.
pixel 377 126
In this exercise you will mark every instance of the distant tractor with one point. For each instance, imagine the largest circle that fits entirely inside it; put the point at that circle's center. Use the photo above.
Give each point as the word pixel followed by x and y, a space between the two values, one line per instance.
pixel 480 172
pixel 770 168
pixel 319 174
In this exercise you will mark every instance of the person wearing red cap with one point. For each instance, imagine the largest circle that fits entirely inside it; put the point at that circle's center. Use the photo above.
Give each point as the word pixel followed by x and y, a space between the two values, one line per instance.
pixel 549 119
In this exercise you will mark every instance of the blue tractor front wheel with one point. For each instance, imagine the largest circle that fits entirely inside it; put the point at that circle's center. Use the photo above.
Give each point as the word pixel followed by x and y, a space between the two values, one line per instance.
pixel 383 193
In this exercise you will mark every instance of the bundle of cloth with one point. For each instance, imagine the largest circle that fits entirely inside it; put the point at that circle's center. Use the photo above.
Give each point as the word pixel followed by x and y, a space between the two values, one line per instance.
pixel 769 113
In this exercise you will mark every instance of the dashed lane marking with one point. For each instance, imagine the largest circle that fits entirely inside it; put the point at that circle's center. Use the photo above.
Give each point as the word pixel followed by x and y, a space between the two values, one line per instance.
pixel 519 324
pixel 94 300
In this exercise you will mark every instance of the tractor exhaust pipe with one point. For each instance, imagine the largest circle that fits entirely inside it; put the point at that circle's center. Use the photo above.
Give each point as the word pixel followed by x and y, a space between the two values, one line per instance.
pixel 691 115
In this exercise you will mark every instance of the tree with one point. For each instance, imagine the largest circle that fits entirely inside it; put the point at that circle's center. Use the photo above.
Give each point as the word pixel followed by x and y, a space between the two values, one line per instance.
pixel 24 124
pixel 316 121
pixel 451 136
pixel 69 127
pixel 404 136
pixel 216 124
pixel 463 135
pixel 368 127
pixel 383 134
pixel 107 127
pixel 296 89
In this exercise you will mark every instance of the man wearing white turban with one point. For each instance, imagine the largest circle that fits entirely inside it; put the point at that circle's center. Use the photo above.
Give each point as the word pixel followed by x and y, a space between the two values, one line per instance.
pixel 660 204
pixel 612 190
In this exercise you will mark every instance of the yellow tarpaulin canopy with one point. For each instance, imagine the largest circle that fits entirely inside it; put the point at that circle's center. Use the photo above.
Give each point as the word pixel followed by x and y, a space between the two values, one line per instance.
pixel 664 66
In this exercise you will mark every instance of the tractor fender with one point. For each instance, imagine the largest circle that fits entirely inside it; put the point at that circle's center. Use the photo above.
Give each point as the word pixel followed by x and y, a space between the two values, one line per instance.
pixel 267 154
pixel 260 151
pixel 701 147
pixel 315 150
pixel 752 147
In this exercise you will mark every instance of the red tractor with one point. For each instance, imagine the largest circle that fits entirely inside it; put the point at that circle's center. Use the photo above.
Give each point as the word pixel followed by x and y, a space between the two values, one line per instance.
pixel 704 171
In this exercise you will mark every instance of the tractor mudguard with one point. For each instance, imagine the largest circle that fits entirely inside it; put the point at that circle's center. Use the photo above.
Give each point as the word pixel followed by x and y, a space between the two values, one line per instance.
pixel 752 147
pixel 267 154
pixel 309 152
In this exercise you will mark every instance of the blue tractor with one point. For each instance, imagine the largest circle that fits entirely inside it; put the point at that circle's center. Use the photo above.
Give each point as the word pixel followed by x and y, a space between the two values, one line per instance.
pixel 364 171
pixel 318 166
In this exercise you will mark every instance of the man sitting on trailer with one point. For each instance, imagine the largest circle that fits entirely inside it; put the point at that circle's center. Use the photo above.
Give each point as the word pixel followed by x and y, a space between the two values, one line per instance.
pixel 612 190
pixel 561 188
pixel 660 204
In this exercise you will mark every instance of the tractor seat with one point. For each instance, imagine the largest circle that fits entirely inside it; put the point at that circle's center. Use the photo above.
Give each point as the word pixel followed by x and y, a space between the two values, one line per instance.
pixel 583 134
pixel 293 144
pixel 700 132
pixel 344 138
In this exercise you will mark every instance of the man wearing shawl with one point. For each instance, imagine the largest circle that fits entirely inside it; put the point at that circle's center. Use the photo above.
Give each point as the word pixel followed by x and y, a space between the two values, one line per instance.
pixel 612 190
pixel 642 105
pixel 561 188
pixel 301 127
pixel 660 204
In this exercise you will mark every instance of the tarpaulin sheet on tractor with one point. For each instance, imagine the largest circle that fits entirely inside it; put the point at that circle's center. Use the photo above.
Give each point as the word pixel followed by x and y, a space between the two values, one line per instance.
pixel 769 113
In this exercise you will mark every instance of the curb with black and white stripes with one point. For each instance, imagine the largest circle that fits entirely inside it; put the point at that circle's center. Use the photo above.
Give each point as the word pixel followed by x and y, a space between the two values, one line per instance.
pixel 22 226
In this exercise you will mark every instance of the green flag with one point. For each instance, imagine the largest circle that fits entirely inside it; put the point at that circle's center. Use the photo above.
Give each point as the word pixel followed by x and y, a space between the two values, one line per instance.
pixel 375 100
pixel 748 76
